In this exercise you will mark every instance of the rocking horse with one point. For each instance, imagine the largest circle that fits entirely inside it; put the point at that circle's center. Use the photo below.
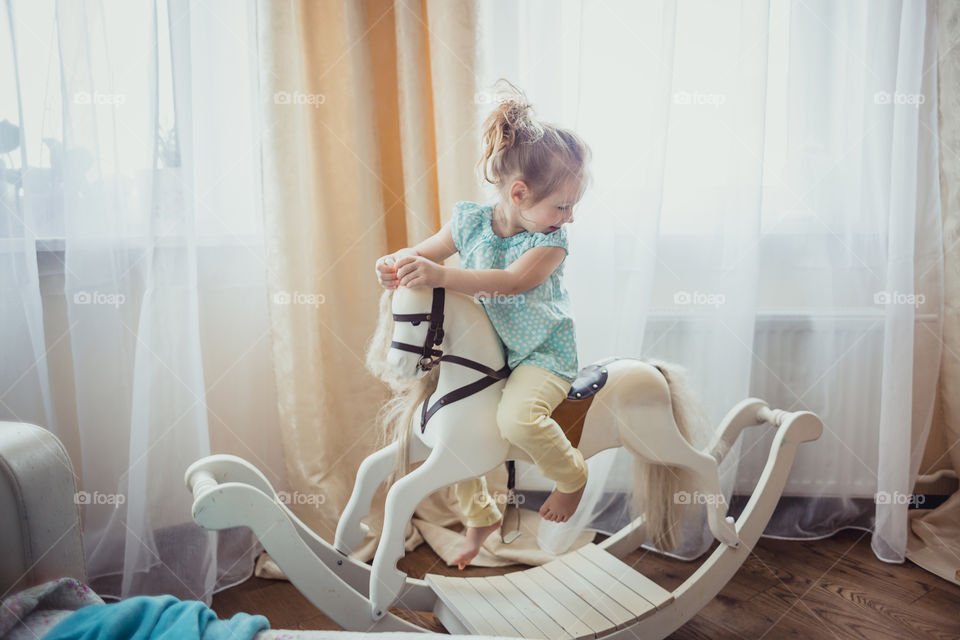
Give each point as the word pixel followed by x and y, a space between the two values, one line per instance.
pixel 586 593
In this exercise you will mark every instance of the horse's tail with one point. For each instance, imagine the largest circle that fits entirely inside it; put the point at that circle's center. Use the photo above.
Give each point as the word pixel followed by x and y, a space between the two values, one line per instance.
pixel 661 483
pixel 395 416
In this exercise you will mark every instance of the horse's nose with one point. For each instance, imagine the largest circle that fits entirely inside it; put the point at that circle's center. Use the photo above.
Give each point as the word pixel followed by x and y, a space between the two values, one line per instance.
pixel 394 359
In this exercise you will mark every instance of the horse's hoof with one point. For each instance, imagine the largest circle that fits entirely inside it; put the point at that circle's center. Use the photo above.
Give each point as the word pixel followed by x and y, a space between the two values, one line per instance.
pixel 384 590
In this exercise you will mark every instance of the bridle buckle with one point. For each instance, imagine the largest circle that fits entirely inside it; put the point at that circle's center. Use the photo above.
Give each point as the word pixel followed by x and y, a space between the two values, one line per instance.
pixel 429 357
pixel 426 363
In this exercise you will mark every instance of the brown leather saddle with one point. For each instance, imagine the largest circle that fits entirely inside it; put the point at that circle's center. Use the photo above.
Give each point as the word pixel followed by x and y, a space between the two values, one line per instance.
pixel 572 412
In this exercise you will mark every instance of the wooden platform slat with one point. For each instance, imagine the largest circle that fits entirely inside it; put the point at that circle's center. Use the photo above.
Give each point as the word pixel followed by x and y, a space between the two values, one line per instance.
pixel 610 585
pixel 474 611
pixel 569 620
pixel 569 598
pixel 642 585
pixel 584 594
pixel 547 625
pixel 589 593
pixel 516 615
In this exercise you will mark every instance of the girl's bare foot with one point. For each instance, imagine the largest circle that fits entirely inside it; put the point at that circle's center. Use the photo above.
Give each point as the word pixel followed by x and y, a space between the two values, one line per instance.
pixel 475 538
pixel 558 506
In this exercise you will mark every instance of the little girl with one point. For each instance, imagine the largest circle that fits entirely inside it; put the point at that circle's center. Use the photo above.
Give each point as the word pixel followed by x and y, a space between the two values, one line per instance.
pixel 512 254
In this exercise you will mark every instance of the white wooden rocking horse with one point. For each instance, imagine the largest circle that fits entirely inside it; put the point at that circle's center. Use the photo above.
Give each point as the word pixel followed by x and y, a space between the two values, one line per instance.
pixel 586 593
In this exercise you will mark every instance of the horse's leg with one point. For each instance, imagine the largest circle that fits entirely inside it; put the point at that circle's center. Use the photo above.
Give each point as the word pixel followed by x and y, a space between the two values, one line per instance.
pixel 706 469
pixel 441 468
pixel 741 416
pixel 660 442
pixel 372 472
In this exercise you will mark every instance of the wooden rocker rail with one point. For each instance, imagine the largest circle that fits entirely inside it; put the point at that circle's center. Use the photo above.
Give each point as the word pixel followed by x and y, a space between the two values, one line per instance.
pixel 588 593
pixel 230 492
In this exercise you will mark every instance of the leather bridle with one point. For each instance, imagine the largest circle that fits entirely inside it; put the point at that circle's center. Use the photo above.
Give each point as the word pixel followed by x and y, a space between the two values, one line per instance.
pixel 431 357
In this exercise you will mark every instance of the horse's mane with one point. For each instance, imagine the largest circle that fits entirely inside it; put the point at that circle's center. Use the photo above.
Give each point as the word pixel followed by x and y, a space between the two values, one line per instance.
pixel 394 417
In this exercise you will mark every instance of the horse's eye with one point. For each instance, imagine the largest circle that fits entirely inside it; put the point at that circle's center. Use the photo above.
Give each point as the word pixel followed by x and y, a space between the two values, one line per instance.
pixel 415 323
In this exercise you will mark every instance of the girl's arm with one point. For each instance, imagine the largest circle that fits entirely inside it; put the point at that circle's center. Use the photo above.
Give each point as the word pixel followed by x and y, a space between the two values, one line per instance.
pixel 525 273
pixel 437 247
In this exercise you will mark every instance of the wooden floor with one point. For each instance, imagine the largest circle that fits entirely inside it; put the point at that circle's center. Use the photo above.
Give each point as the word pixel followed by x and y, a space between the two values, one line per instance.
pixel 832 588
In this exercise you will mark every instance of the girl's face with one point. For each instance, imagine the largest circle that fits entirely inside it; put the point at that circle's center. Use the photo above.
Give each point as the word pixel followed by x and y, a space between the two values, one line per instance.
pixel 553 211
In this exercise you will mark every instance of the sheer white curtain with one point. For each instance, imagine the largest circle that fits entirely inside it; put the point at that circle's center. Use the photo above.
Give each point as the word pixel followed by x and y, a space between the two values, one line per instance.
pixel 138 151
pixel 765 212
pixel 24 394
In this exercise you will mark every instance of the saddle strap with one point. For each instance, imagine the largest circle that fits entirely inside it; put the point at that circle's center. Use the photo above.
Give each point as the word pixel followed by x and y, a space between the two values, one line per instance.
pixel 458 394
pixel 482 368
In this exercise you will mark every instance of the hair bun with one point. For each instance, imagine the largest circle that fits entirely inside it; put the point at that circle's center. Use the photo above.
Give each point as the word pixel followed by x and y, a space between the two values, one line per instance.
pixel 516 144
pixel 512 121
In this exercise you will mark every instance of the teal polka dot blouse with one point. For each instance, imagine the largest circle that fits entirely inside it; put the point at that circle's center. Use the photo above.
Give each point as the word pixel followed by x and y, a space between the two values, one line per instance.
pixel 536 326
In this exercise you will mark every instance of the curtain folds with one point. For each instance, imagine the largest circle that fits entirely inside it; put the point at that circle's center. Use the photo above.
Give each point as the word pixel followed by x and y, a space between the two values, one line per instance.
pixel 369 144
pixel 134 187
pixel 933 540
pixel 766 213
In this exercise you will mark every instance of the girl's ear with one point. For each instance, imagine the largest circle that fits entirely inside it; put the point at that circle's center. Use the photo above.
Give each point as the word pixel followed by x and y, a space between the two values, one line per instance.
pixel 518 192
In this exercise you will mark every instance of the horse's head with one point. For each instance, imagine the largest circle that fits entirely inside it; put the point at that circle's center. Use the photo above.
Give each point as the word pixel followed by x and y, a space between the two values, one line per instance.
pixel 419 325
pixel 418 314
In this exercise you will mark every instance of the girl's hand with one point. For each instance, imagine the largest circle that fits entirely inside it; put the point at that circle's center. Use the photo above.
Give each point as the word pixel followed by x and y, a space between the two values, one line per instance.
pixel 417 271
pixel 386 269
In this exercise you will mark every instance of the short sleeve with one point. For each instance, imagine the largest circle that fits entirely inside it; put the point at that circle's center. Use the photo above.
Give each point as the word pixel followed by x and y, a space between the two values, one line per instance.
pixel 556 239
pixel 464 223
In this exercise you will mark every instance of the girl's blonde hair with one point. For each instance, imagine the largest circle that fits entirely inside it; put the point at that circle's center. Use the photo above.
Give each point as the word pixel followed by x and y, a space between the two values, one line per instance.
pixel 518 147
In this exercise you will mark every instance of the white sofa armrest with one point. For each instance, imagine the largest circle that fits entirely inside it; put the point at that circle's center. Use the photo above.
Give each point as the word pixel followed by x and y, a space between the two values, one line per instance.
pixel 40 532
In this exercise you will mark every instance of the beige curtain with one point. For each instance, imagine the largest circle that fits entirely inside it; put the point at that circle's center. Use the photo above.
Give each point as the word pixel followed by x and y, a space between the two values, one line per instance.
pixel 371 134
pixel 934 541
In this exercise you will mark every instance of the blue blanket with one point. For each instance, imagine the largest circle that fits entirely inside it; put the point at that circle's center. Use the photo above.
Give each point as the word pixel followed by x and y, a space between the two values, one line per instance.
pixel 155 617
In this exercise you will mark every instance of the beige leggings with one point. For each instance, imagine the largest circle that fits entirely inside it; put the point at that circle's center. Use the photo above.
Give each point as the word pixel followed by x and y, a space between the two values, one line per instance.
pixel 530 395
